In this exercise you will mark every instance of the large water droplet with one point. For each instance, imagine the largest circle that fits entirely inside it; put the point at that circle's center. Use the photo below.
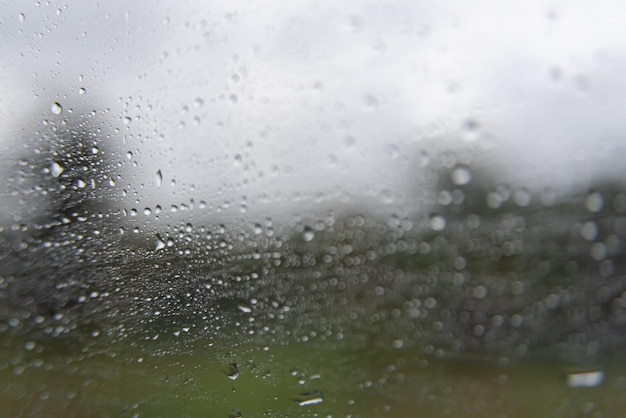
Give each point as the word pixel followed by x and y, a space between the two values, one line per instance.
pixel 56 108
pixel 309 398
pixel 56 170
pixel 232 371
pixel 160 244
pixel 585 379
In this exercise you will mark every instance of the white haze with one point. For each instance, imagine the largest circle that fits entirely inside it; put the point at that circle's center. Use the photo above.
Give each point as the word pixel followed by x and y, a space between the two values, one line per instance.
pixel 252 106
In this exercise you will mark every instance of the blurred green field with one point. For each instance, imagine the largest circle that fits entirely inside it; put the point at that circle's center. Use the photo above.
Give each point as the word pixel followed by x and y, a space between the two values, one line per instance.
pixel 183 376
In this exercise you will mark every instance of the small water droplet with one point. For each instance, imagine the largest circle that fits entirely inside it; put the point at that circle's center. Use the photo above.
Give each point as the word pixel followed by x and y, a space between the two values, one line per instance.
pixel 127 120
pixel 471 130
pixel 198 102
pixel 437 223
pixel 82 91
pixel 22 17
pixel 56 108
pixel 594 202
pixel 147 211
pixel 232 371
pixel 237 160
pixel 308 234
pixel 522 197
pixel 80 183
pixel 309 398
pixel 589 231
pixel 371 102
pixel 461 175
pixel 159 178
pixel 355 24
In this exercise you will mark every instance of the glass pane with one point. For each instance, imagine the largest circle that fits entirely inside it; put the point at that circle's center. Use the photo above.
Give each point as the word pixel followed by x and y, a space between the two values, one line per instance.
pixel 341 209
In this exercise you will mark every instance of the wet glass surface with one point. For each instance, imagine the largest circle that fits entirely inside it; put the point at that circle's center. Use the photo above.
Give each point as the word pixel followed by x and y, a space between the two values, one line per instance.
pixel 312 210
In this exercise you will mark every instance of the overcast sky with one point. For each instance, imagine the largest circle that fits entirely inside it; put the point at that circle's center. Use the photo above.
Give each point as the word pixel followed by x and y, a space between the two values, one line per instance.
pixel 250 102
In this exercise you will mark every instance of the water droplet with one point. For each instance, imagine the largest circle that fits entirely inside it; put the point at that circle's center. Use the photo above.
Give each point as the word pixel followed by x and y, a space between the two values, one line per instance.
pixel 355 24
pixel 56 169
pixel 522 197
pixel 594 202
pixel 147 211
pixel 80 183
pixel 437 223
pixel 237 160
pixel 308 234
pixel 234 413
pixel 309 398
pixel 127 120
pixel 585 379
pixel 232 371
pixel 198 102
pixel 160 244
pixel 22 17
pixel 589 231
pixel 244 308
pixel 461 175
pixel 480 292
pixel 371 102
pixel 471 130
pixel 159 178
pixel 599 251
pixel 56 108
pixel 82 91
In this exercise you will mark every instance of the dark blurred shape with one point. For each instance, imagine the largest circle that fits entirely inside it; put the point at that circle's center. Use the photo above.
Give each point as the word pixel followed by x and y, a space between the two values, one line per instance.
pixel 59 207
